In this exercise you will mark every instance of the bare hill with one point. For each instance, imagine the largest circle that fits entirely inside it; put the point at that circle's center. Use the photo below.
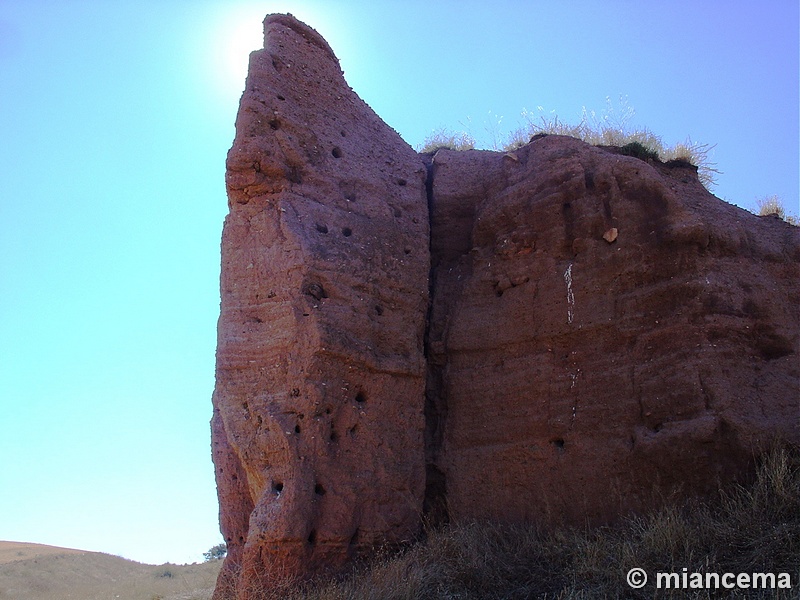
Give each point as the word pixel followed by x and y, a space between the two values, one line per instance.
pixel 38 572
pixel 16 551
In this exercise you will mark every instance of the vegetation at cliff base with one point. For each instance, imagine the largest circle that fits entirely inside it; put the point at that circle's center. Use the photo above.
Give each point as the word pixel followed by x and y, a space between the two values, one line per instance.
pixel 747 529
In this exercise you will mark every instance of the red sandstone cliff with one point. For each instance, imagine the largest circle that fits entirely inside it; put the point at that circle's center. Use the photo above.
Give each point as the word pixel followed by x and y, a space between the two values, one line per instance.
pixel 318 409
pixel 599 329
pixel 603 329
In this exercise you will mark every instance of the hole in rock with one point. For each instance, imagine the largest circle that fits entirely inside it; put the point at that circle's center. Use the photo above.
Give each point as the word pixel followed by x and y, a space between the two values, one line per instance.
pixel 343 132
pixel 319 490
pixel 588 179
pixel 347 232
pixel 407 250
pixel 277 486
pixel 316 291
pixel 274 124
pixel 361 397
pixel 297 428
pixel 558 444
pixel 312 537
pixel 281 98
pixel 337 152
pixel 379 309
pixel 334 436
pixel 293 175
pixel 328 411
pixel 352 430
pixel 322 228
pixel 401 182
pixel 354 538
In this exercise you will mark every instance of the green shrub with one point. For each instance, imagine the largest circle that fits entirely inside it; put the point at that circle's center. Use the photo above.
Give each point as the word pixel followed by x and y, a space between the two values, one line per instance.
pixel 217 552
pixel 638 150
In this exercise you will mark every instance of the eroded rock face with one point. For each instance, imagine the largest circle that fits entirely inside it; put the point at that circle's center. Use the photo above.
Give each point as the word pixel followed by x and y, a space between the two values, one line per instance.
pixel 601 329
pixel 318 409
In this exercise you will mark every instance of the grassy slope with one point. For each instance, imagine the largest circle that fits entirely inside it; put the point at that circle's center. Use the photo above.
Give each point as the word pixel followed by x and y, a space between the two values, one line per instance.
pixel 748 529
pixel 34 572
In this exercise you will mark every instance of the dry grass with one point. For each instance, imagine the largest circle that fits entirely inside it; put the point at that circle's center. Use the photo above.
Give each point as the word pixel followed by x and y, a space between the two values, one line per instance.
pixel 747 529
pixel 752 528
pixel 444 138
pixel 16 551
pixel 33 572
pixel 772 205
pixel 610 127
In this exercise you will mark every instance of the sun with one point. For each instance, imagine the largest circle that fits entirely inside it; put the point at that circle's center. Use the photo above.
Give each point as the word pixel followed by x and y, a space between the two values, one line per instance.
pixel 231 32
pixel 237 33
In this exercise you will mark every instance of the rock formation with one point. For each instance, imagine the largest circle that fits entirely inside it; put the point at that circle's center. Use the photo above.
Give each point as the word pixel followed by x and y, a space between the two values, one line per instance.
pixel 318 410
pixel 603 329
pixel 600 330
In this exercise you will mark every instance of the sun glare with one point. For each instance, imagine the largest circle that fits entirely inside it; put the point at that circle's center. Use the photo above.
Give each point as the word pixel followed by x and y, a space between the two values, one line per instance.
pixel 237 31
pixel 238 34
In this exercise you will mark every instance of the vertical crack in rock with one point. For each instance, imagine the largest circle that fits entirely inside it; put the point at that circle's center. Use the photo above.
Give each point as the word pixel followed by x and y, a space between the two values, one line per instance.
pixel 435 505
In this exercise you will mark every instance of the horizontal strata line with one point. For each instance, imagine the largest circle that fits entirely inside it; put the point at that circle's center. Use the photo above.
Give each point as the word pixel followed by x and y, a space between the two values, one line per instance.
pixel 387 366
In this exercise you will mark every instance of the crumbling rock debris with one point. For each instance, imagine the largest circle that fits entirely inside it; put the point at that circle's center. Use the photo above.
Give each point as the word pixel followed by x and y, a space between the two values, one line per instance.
pixel 467 335
pixel 611 235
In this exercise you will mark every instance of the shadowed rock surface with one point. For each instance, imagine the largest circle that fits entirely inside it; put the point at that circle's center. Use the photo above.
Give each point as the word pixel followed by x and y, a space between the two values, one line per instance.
pixel 600 330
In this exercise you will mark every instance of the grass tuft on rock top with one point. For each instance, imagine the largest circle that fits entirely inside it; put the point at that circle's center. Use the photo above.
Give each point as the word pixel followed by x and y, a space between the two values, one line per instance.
pixel 611 127
pixel 638 150
pixel 444 138
pixel 747 529
pixel 773 205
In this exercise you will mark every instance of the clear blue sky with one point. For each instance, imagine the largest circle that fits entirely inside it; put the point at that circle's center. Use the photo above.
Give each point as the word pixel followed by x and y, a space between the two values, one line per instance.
pixel 115 119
